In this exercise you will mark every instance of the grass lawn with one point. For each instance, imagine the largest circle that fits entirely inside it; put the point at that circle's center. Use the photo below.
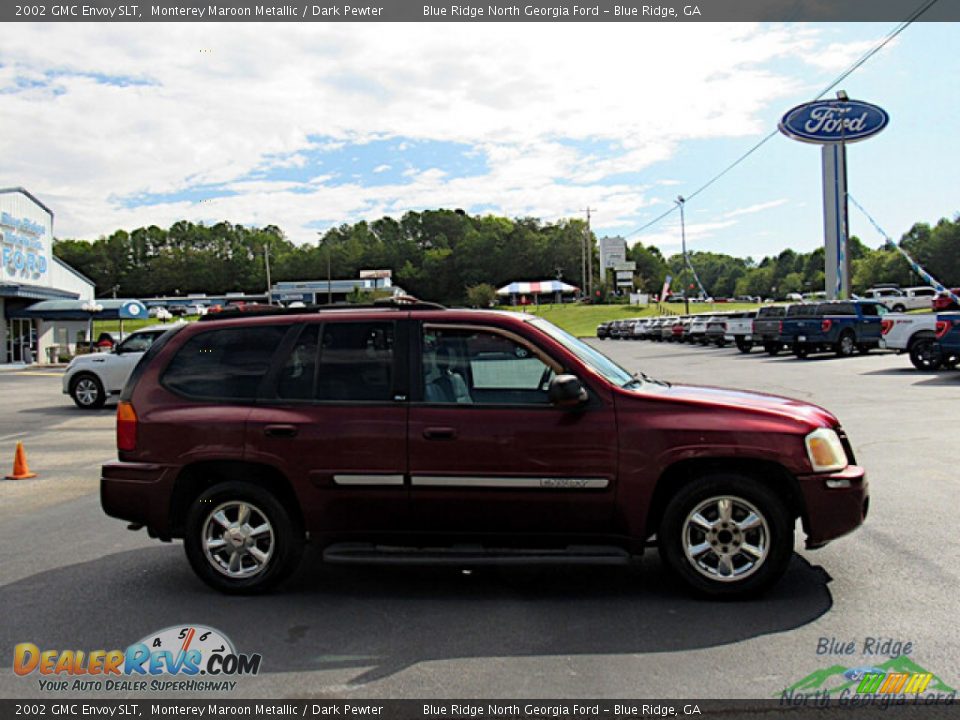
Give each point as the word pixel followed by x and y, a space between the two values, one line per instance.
pixel 129 326
pixel 582 320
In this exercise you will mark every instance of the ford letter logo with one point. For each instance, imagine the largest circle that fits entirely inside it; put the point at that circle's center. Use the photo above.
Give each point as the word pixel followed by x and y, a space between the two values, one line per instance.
pixel 833 121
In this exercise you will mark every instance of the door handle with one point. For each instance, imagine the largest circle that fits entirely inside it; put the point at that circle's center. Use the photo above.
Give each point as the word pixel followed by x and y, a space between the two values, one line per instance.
pixel 439 433
pixel 280 431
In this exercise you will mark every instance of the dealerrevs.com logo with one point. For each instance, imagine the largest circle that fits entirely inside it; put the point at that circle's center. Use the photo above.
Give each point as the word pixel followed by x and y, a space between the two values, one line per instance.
pixel 185 658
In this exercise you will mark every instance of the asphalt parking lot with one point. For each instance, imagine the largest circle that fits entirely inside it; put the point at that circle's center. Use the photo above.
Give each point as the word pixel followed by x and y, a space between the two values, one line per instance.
pixel 72 578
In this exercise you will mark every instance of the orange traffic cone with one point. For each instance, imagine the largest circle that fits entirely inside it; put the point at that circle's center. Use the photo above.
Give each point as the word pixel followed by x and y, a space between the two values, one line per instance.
pixel 21 471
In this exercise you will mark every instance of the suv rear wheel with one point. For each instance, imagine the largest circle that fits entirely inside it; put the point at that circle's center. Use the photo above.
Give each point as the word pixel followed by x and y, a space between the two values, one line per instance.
pixel 726 535
pixel 87 392
pixel 241 539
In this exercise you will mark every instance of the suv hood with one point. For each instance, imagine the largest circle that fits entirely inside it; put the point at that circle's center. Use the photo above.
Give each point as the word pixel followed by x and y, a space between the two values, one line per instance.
pixel 88 359
pixel 746 400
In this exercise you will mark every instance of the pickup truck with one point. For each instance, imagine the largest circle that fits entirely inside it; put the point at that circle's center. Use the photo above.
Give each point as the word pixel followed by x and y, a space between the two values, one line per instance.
pixel 841 326
pixel 916 335
pixel 740 330
pixel 766 327
pixel 948 338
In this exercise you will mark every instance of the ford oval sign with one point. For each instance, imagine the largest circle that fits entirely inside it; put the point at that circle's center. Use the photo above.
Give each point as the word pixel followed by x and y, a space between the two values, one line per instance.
pixel 834 121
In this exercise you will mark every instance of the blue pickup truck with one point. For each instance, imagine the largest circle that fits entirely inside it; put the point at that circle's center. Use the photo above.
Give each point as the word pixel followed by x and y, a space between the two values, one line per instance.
pixel 947 330
pixel 840 326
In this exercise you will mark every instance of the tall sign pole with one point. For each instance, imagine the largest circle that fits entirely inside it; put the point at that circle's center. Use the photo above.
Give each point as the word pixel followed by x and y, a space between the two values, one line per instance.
pixel 833 124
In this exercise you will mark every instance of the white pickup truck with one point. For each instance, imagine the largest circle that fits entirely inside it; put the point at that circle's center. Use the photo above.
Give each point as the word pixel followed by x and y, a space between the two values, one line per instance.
pixel 740 331
pixel 914 334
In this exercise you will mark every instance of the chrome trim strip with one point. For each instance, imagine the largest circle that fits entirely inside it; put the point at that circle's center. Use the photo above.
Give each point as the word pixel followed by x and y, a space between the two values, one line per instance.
pixel 346 479
pixel 563 483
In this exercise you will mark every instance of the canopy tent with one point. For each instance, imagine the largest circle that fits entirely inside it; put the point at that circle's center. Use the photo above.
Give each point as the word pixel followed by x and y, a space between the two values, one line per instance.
pixel 536 288
pixel 111 309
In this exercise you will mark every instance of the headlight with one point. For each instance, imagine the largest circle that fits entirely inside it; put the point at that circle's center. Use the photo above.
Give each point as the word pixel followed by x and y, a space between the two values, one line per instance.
pixel 825 450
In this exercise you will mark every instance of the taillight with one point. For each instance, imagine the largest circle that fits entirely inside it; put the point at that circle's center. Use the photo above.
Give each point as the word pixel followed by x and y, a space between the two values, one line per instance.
pixel 126 427
pixel 825 325
pixel 780 328
pixel 942 327
pixel 886 326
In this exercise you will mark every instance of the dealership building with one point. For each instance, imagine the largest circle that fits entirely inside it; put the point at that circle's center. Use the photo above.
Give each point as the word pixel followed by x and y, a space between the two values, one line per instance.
pixel 41 297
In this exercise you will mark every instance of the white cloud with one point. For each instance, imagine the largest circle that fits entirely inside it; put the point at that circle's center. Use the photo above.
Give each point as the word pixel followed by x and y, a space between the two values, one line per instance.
pixel 759 207
pixel 531 99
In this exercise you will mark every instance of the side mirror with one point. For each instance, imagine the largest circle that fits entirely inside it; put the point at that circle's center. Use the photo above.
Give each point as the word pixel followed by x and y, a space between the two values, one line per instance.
pixel 565 391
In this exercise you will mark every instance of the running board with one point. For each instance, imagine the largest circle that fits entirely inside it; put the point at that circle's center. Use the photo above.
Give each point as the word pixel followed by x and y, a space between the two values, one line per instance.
pixel 344 553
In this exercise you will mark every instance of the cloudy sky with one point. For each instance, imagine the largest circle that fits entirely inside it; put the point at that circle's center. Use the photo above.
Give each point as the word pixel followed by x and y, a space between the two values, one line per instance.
pixel 309 125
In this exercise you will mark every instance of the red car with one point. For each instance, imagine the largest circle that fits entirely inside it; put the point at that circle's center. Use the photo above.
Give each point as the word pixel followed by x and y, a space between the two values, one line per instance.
pixel 943 302
pixel 414 433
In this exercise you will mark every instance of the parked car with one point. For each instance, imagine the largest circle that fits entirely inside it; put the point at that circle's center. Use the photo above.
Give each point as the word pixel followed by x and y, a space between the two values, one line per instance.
pixel 698 329
pixel 899 300
pixel 943 302
pixel 90 379
pixel 603 330
pixel 766 327
pixel 843 327
pixel 717 330
pixel 740 330
pixel 369 431
pixel 106 341
pixel 914 334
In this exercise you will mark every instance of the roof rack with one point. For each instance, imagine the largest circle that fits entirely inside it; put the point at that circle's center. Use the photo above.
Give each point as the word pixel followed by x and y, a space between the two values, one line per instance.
pixel 397 302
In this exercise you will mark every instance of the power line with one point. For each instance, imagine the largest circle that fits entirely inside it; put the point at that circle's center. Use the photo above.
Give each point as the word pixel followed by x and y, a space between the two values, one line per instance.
pixel 921 9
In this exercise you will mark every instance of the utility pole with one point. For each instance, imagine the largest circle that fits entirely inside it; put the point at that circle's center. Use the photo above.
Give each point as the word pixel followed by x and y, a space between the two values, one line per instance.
pixel 683 244
pixel 266 259
pixel 589 250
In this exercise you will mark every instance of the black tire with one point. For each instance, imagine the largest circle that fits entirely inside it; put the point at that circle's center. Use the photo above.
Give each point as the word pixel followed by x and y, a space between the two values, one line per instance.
pixel 703 572
pixel 87 391
pixel 951 362
pixel 924 354
pixel 899 308
pixel 801 351
pixel 285 546
pixel 772 349
pixel 721 343
pixel 846 344
pixel 744 346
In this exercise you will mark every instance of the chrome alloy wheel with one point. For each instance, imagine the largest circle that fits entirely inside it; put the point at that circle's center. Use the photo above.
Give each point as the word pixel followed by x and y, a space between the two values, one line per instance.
pixel 238 540
pixel 86 391
pixel 726 538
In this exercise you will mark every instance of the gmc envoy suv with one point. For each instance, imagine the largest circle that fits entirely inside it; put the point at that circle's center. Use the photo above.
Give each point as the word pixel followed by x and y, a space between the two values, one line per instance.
pixel 412 433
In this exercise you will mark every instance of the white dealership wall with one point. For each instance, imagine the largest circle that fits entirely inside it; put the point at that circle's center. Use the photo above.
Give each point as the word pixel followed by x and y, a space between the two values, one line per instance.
pixel 29 272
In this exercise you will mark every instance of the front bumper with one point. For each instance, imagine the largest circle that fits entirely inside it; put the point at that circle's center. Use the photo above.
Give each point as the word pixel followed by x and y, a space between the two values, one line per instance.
pixel 836 504
pixel 138 492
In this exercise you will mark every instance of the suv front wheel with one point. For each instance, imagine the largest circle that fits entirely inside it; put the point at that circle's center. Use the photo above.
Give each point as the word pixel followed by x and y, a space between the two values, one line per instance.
pixel 241 539
pixel 726 535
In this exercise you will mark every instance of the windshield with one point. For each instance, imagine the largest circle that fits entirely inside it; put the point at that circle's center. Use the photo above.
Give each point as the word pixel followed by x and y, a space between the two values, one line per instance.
pixel 587 355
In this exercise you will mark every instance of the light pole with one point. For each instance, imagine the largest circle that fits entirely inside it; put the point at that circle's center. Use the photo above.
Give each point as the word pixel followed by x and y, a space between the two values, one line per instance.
pixel 683 245
pixel 329 283
pixel 266 260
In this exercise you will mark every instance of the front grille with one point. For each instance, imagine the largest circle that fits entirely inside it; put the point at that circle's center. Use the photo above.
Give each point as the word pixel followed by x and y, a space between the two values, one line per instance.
pixel 847 448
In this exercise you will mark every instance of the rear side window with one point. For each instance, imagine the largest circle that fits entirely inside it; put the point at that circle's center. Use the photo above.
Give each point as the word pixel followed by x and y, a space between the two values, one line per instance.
pixel 802 310
pixel 771 312
pixel 227 364
pixel 356 362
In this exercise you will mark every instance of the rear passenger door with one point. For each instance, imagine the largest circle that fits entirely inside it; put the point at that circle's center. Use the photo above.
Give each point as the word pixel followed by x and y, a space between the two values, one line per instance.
pixel 334 417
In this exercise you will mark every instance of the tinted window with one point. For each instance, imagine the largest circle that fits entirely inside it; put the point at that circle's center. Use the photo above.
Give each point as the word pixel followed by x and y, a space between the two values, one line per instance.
pixel 479 366
pixel 868 309
pixel 802 310
pixel 227 363
pixel 771 312
pixel 356 362
pixel 298 375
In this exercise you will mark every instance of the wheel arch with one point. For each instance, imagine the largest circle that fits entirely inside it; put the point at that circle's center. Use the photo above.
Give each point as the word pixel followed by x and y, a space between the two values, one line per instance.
pixel 918 336
pixel 771 474
pixel 197 477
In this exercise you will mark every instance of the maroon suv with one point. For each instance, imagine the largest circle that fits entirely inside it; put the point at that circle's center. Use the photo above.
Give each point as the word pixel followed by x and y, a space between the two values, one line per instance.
pixel 421 434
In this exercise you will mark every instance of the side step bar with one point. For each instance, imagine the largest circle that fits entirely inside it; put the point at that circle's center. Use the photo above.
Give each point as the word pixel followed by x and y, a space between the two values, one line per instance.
pixel 365 553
